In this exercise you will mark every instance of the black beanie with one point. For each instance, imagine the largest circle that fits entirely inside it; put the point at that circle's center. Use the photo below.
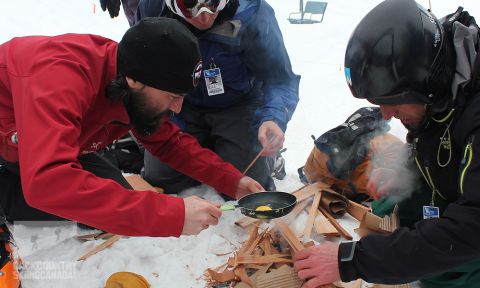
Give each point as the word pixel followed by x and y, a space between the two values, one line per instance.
pixel 161 53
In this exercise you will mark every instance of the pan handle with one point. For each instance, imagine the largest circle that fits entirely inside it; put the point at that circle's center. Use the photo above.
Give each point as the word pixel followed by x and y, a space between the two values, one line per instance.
pixel 229 207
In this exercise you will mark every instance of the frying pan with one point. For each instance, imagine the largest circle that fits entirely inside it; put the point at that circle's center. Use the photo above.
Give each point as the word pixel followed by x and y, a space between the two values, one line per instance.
pixel 281 203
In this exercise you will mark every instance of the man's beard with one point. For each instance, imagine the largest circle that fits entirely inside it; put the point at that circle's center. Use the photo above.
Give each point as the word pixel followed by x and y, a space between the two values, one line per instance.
pixel 144 119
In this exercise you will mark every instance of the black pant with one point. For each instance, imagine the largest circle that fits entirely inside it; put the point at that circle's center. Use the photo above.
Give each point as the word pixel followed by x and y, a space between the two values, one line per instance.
pixel 228 133
pixel 11 195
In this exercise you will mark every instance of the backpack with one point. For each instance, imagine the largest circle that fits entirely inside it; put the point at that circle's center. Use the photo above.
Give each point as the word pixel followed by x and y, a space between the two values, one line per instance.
pixel 343 157
pixel 9 275
pixel 125 154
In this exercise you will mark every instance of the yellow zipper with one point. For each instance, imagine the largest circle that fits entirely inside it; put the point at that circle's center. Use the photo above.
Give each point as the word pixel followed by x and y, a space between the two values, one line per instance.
pixel 427 177
pixel 469 151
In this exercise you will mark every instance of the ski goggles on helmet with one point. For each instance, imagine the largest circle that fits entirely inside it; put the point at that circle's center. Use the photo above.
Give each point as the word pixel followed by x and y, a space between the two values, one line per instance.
pixel 192 8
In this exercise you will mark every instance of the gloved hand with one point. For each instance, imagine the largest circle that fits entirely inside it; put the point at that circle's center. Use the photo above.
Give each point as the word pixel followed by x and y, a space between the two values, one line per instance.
pixel 113 7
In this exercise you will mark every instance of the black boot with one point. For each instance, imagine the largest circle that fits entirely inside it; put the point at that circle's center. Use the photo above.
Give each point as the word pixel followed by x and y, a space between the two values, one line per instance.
pixel 279 166
pixel 269 185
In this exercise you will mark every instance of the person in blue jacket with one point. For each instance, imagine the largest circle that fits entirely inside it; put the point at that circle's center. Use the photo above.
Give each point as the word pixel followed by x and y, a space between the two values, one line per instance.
pixel 247 93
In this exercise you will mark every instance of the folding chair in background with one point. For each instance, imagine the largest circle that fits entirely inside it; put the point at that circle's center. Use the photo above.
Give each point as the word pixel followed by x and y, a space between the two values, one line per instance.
pixel 311 8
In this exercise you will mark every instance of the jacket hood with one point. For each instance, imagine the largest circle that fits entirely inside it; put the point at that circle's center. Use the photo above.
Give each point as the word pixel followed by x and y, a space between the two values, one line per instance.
pixel 464 33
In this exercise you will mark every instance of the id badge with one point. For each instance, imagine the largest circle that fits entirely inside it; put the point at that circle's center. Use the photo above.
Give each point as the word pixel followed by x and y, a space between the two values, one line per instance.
pixel 213 79
pixel 430 212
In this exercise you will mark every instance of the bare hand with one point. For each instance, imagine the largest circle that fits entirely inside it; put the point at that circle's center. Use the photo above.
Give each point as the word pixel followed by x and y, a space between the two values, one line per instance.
pixel 318 264
pixel 199 215
pixel 381 182
pixel 271 137
pixel 247 185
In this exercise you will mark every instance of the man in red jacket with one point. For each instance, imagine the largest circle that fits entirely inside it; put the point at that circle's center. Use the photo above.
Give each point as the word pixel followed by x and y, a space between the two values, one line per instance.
pixel 64 97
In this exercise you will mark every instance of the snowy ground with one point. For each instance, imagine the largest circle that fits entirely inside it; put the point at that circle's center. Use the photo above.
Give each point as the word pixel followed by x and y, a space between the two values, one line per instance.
pixel 316 52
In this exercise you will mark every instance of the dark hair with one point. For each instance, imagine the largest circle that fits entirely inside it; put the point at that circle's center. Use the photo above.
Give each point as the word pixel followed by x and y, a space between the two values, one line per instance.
pixel 118 90
pixel 143 120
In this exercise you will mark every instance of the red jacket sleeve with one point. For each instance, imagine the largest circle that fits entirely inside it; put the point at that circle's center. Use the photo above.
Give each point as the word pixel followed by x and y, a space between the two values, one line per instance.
pixel 183 153
pixel 50 105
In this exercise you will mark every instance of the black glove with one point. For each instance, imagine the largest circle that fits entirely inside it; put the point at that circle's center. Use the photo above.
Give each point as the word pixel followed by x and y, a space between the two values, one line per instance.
pixel 113 7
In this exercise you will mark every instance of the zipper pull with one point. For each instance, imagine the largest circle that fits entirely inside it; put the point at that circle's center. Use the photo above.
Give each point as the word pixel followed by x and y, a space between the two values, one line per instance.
pixel 412 149
pixel 467 148
pixel 426 163
pixel 470 140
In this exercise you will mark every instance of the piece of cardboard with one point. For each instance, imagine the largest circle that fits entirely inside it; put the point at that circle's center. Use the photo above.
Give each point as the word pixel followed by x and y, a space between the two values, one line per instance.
pixel 357 210
pixel 284 277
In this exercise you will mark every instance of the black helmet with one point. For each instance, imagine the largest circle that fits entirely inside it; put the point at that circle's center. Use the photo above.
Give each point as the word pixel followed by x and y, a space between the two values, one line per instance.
pixel 396 55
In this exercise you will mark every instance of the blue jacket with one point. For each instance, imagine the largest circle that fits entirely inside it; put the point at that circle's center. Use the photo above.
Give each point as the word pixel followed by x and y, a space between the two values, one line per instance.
pixel 251 55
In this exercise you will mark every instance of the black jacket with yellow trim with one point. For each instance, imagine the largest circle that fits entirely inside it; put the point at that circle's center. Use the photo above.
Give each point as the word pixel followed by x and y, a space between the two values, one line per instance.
pixel 447 150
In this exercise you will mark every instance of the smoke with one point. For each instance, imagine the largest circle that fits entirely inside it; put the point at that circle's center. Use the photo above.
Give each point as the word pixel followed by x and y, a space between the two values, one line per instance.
pixel 393 172
pixel 361 151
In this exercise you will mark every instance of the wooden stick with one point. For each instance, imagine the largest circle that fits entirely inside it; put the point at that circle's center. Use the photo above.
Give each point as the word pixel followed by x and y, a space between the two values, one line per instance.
pixel 247 221
pixel 312 215
pixel 323 226
pixel 258 156
pixel 100 247
pixel 241 273
pixel 253 161
pixel 251 239
pixel 289 236
pixel 95 236
pixel 252 259
pixel 297 210
pixel 306 192
pixel 335 224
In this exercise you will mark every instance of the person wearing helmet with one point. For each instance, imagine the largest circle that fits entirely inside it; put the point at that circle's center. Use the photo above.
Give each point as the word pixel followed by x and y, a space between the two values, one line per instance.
pixel 62 98
pixel 247 91
pixel 424 72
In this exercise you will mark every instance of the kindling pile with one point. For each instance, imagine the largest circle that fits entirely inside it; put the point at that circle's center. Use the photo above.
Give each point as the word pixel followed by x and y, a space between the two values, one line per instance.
pixel 265 258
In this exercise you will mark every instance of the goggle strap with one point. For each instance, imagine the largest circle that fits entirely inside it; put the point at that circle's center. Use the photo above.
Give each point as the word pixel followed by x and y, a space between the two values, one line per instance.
pixel 222 4
pixel 177 9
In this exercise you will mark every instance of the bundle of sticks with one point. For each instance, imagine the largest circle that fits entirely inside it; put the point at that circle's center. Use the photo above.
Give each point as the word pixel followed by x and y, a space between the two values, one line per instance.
pixel 265 259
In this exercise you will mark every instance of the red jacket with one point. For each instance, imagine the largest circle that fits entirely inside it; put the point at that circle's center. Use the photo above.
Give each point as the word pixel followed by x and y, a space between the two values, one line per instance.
pixel 52 94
